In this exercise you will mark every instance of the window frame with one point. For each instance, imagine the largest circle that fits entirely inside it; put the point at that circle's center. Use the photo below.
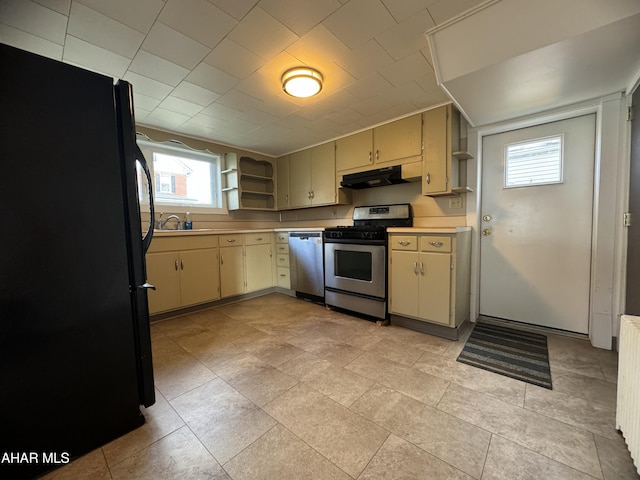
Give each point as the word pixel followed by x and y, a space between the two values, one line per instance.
pixel 176 148
pixel 537 184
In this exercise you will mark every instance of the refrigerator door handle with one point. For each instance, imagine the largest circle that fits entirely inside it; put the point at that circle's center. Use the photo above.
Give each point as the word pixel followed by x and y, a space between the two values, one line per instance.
pixel 147 286
pixel 146 240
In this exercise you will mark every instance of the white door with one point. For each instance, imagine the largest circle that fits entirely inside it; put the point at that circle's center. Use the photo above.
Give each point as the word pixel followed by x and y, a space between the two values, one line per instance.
pixel 535 255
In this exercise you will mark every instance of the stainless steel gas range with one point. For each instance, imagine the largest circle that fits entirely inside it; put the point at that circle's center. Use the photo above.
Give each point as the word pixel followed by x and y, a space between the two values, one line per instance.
pixel 355 259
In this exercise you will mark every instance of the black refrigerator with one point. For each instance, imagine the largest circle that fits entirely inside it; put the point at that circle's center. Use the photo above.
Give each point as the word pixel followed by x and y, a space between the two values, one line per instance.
pixel 75 346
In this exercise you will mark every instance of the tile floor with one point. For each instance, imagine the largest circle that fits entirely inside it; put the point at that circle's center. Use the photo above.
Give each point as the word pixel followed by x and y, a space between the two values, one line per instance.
pixel 279 388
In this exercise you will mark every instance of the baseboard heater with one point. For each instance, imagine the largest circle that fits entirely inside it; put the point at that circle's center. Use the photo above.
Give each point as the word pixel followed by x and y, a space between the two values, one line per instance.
pixel 627 409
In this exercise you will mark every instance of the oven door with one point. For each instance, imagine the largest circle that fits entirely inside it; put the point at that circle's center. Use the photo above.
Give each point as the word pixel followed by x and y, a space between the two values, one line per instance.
pixel 356 268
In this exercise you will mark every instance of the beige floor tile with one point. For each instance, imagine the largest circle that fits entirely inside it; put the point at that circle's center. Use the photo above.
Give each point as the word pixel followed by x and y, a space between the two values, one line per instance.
pixel 423 341
pixel 507 461
pixel 305 366
pixel 160 420
pixel 339 384
pixel 178 455
pixel 279 454
pixel 225 421
pixel 180 327
pixel 576 411
pixel 554 439
pixel 578 356
pixel 92 465
pixel 615 459
pixel 176 371
pixel 450 439
pixel 411 382
pixel 396 351
pixel 334 351
pixel 344 437
pixel 273 350
pixel 398 459
pixel 210 348
pixel 254 378
pixel 504 388
pixel 595 390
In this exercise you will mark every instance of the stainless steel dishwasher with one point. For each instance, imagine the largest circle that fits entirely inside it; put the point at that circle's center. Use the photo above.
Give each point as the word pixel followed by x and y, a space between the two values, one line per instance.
pixel 306 264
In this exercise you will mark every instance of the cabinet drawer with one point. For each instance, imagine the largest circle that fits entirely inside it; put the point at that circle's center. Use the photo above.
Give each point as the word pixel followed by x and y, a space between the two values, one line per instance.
pixel 404 242
pixel 282 248
pixel 283 278
pixel 282 260
pixel 230 240
pixel 182 242
pixel 257 238
pixel 435 244
pixel 282 237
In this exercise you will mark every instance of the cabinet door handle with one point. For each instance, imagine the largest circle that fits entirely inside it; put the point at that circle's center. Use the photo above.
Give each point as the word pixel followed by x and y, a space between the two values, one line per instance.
pixel 369 157
pixel 428 178
pixel 436 244
pixel 415 268
pixel 421 268
pixel 313 195
pixel 286 198
pixel 231 240
pixel 181 265
pixel 377 155
pixel 404 243
pixel 176 265
pixel 221 260
pixel 270 253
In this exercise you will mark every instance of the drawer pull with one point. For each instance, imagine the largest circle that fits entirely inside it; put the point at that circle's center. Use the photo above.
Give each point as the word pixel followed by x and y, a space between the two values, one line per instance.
pixel 404 243
pixel 231 240
pixel 282 275
pixel 258 239
pixel 436 244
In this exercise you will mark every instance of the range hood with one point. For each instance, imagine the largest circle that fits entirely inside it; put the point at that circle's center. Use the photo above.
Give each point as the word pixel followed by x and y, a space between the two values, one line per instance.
pixel 379 177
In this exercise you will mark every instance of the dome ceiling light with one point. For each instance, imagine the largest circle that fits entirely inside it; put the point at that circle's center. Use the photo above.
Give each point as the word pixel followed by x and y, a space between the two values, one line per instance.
pixel 302 82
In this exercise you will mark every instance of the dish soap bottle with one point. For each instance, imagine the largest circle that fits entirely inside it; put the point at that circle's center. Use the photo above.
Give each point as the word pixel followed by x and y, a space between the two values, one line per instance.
pixel 188 225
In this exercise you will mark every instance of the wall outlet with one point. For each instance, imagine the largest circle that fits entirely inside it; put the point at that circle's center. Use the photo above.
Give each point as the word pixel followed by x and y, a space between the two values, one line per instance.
pixel 455 202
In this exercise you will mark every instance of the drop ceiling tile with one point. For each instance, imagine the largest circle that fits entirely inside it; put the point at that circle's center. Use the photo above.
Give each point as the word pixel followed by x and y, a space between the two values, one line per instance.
pixel 346 116
pixel 238 100
pixel 197 19
pixel 317 47
pixel 140 113
pixel 27 41
pixel 158 68
pixel 219 111
pixel 174 46
pixel 406 70
pixel 102 31
pixel 94 58
pixel 147 86
pixel 234 59
pixel 262 34
pixel 35 19
pixel 443 10
pixel 257 86
pixel 366 59
pixel 236 8
pixel 60 6
pixel 194 94
pixel 178 105
pixel 407 36
pixel 145 102
pixel 300 20
pixel 212 78
pixel 403 9
pixel 207 121
pixel 370 16
pixel 140 17
pixel 165 118
pixel 369 86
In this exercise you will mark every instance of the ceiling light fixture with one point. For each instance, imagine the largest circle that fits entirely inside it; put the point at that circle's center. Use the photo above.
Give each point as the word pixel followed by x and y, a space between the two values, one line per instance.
pixel 302 82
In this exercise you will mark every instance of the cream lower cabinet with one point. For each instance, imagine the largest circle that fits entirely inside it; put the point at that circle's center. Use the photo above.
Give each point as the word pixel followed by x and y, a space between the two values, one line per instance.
pixel 429 277
pixel 283 275
pixel 232 276
pixel 259 261
pixel 183 276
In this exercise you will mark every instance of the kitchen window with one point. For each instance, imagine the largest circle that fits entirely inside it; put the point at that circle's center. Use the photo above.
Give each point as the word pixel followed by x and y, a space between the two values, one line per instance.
pixel 534 162
pixel 184 179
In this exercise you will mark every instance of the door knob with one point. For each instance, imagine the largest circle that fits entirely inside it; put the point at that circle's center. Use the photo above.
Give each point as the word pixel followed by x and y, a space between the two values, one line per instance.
pixel 486 218
pixel 486 232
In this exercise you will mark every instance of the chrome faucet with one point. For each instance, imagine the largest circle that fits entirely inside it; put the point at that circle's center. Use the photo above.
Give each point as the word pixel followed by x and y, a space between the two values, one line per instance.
pixel 162 224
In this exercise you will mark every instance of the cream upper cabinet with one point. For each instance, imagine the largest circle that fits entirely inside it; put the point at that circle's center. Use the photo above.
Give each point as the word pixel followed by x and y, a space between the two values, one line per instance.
pixel 282 171
pixel 444 166
pixel 259 260
pixel 355 151
pixel 312 179
pixel 398 140
pixel 429 277
pixel 393 143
